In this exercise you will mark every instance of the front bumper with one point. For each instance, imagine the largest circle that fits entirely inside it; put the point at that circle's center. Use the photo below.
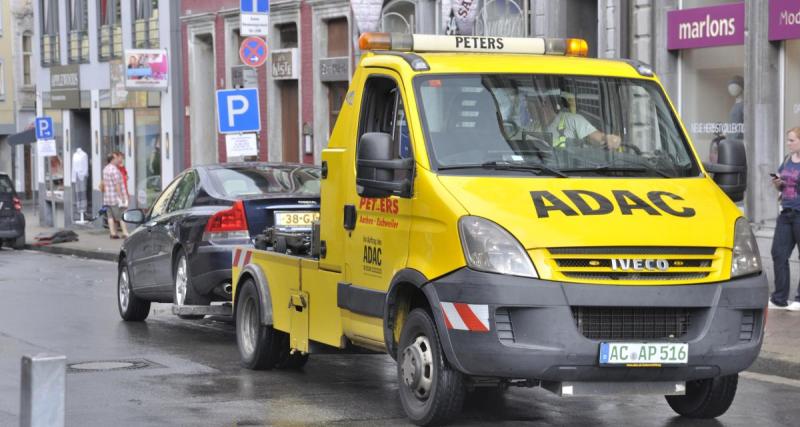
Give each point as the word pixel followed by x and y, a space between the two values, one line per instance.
pixel 546 343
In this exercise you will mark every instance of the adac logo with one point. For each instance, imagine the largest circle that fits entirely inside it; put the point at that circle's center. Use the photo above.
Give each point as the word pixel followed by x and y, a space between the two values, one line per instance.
pixel 590 203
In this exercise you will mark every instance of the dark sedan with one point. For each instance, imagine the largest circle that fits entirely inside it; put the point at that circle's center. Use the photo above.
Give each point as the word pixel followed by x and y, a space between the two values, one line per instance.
pixel 12 221
pixel 182 250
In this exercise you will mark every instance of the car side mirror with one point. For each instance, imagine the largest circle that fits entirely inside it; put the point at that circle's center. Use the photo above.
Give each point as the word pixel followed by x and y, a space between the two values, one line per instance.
pixel 730 171
pixel 133 216
pixel 376 165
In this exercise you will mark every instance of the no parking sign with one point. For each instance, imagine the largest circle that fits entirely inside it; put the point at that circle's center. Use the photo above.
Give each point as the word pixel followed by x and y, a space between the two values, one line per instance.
pixel 253 51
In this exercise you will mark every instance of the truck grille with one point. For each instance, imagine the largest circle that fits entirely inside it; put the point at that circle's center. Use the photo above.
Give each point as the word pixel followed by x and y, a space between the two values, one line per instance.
pixel 597 264
pixel 631 323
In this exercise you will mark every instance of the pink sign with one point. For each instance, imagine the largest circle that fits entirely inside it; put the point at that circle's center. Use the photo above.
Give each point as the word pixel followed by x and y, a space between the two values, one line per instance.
pixel 784 19
pixel 706 27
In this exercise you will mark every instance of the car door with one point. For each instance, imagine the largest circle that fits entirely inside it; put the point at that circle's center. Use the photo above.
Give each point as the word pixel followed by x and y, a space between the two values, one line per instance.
pixel 166 229
pixel 142 246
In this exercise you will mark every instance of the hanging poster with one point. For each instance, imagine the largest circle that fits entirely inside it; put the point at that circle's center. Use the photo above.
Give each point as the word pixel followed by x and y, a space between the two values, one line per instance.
pixel 146 69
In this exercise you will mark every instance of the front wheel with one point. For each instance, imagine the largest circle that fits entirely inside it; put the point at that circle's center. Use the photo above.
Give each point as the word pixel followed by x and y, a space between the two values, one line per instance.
pixel 707 398
pixel 131 307
pixel 430 390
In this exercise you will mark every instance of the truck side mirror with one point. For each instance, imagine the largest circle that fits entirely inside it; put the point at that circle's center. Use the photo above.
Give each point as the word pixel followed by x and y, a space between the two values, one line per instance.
pixel 730 171
pixel 376 165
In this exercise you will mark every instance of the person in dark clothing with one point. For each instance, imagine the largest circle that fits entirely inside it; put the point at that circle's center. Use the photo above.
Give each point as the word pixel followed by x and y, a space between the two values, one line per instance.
pixel 787 227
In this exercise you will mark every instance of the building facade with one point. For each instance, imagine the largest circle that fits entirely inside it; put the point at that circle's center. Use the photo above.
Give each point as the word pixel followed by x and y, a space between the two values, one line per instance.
pixel 7 84
pixel 99 107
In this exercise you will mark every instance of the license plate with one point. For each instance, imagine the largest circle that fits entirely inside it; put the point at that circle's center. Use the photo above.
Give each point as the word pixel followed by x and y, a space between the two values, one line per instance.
pixel 301 219
pixel 642 354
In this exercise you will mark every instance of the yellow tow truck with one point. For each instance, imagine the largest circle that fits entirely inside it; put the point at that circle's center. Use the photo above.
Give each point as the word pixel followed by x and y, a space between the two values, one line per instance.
pixel 503 212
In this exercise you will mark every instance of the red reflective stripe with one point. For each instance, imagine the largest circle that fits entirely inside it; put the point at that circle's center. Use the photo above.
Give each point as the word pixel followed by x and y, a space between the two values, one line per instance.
pixel 247 258
pixel 469 318
pixel 236 257
pixel 446 320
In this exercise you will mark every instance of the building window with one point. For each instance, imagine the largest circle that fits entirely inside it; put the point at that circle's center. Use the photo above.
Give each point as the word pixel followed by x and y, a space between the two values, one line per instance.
pixel 27 54
pixel 49 30
pixel 399 16
pixel 288 34
pixel 110 34
pixel 78 21
pixel 500 18
pixel 145 26
pixel 2 80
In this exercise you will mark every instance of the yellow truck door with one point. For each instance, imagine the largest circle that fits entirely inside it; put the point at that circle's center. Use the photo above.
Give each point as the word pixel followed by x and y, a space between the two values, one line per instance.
pixel 376 229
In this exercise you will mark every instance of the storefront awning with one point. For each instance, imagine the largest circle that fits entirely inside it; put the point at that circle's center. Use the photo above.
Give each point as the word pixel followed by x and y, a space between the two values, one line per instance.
pixel 24 137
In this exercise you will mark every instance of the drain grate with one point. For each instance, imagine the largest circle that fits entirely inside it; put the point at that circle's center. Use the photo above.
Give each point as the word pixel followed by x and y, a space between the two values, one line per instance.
pixel 111 365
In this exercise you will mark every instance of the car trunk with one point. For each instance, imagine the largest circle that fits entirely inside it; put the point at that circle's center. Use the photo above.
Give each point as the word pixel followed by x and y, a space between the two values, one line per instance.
pixel 261 212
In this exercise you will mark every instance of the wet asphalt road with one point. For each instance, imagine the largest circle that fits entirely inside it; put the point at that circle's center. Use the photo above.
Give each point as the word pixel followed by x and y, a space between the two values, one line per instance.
pixel 67 305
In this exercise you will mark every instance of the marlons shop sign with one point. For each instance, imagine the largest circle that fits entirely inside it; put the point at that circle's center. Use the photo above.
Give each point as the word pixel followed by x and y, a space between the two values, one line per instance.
pixel 706 27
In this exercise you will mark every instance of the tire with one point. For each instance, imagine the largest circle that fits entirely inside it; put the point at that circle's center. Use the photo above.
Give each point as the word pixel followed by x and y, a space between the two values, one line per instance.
pixel 19 242
pixel 182 291
pixel 708 398
pixel 131 308
pixel 431 392
pixel 260 346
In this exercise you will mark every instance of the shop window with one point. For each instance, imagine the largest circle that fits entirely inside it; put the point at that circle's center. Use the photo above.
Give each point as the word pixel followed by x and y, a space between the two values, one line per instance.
pixel 27 54
pixel 78 40
pixel 288 36
pixel 791 87
pixel 110 33
pixel 500 18
pixel 398 16
pixel 48 25
pixel 145 24
pixel 148 155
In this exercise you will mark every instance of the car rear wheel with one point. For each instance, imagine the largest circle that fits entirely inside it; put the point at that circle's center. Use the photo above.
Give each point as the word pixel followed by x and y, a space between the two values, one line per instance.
pixel 707 398
pixel 183 292
pixel 260 346
pixel 131 307
pixel 19 242
pixel 430 390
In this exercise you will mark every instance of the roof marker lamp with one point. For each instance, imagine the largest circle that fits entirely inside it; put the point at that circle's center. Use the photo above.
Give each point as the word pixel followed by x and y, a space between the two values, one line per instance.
pixel 489 247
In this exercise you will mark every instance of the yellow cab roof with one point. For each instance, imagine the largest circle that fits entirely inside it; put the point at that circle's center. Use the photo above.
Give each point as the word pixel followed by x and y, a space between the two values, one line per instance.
pixel 451 63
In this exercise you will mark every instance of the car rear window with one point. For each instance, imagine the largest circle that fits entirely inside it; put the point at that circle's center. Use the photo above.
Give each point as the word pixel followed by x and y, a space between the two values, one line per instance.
pixel 257 180
pixel 5 184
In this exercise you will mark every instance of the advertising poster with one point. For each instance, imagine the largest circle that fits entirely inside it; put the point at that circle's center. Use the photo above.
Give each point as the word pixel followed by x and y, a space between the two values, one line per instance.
pixel 146 69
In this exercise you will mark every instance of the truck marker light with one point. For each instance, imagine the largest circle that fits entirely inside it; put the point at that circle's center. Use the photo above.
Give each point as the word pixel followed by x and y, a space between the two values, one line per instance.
pixel 466 317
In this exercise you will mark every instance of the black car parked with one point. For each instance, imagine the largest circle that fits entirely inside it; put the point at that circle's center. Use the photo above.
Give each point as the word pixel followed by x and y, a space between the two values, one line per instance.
pixel 12 221
pixel 182 250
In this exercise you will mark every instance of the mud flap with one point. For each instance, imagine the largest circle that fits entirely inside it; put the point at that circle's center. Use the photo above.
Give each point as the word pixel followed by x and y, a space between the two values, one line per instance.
pixel 298 333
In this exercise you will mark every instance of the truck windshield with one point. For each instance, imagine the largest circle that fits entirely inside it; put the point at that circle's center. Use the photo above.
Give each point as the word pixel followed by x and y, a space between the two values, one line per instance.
pixel 557 125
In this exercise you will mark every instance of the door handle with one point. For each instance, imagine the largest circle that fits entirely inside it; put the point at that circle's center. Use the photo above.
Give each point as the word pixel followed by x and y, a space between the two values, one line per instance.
pixel 350 217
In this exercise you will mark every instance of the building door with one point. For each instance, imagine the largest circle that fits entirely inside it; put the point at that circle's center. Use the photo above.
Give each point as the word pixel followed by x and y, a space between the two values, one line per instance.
pixel 289 119
pixel 203 123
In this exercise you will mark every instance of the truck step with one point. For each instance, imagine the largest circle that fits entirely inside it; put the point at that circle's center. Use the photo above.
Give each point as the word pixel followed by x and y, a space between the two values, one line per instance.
pixel 225 309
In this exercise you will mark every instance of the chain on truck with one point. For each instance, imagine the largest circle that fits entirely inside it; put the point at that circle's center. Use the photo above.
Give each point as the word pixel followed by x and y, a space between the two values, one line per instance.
pixel 504 212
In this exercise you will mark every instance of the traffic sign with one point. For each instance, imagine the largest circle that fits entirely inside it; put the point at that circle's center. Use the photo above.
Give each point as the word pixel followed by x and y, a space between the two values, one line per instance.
pixel 254 17
pixel 44 127
pixel 46 147
pixel 253 51
pixel 238 111
pixel 239 145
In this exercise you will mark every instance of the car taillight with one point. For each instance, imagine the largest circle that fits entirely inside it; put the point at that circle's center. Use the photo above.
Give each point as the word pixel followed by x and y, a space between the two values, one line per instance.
pixel 227 224
pixel 17 204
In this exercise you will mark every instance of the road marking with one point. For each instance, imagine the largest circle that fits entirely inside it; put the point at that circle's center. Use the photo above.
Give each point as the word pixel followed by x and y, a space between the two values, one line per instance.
pixel 771 379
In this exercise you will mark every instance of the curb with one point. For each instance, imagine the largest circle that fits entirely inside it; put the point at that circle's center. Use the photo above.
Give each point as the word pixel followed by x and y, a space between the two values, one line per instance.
pixel 776 364
pixel 82 253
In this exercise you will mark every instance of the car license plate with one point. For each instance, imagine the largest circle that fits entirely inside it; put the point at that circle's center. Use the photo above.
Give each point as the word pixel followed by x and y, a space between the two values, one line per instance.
pixel 301 219
pixel 643 354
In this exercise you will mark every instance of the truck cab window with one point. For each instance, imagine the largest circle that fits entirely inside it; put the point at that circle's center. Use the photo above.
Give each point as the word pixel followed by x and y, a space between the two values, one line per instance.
pixel 383 111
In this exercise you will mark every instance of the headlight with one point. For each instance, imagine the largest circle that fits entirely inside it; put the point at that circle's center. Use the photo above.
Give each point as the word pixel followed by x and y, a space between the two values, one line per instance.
pixel 489 247
pixel 746 258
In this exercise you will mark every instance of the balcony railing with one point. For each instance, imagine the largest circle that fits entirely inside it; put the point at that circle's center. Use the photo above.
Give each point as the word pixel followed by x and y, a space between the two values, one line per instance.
pixel 110 42
pixel 78 47
pixel 51 54
pixel 145 33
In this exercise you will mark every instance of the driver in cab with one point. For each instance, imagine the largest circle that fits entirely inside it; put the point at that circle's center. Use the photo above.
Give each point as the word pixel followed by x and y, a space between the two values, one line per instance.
pixel 560 123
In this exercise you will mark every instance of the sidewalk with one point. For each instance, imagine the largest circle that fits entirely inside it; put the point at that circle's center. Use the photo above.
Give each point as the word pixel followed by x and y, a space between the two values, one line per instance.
pixel 780 354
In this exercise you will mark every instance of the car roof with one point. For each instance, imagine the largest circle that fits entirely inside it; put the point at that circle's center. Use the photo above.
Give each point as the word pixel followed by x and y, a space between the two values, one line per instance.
pixel 240 165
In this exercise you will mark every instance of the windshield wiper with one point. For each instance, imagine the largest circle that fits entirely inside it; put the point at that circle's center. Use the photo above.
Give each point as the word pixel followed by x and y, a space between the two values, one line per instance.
pixel 615 168
pixel 538 169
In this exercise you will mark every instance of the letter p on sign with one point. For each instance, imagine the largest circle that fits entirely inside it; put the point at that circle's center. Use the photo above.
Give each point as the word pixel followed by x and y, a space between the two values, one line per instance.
pixel 238 111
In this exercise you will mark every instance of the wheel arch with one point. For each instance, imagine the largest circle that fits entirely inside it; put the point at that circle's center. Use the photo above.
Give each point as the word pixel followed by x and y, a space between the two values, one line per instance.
pixel 405 294
pixel 255 272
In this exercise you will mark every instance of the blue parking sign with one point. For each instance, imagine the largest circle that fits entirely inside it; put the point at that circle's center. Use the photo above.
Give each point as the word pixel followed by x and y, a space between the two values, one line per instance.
pixel 44 127
pixel 254 6
pixel 238 111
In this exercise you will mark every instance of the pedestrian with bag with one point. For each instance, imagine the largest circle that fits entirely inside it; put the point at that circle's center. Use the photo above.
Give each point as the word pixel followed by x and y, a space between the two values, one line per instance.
pixel 787 227
pixel 114 195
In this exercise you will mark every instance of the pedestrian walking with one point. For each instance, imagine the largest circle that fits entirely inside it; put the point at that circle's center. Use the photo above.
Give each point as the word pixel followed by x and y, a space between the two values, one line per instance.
pixel 124 172
pixel 787 228
pixel 114 195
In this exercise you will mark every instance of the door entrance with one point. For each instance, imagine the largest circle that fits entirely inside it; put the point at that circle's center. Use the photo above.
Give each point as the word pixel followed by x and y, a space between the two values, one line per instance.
pixel 289 118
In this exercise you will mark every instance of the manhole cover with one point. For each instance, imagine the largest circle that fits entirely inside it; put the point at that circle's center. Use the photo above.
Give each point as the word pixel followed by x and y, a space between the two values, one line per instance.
pixel 111 365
